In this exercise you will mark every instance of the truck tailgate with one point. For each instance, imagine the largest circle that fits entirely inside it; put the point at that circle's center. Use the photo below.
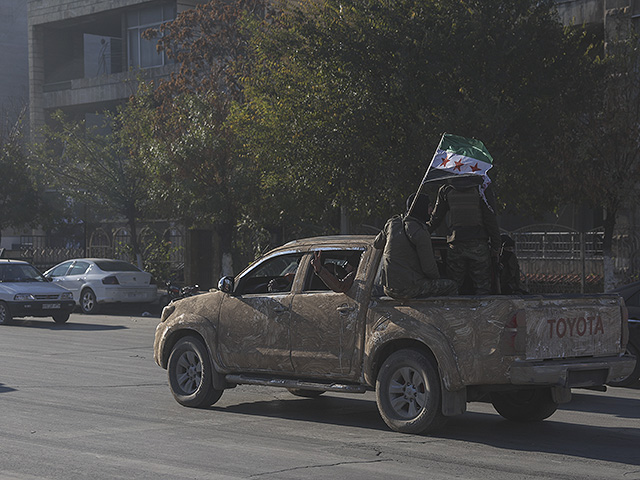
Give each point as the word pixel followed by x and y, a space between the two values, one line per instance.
pixel 572 327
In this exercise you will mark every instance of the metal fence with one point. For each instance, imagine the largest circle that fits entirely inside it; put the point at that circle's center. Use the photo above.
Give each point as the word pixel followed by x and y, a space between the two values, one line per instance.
pixel 560 260
pixel 107 242
pixel 552 259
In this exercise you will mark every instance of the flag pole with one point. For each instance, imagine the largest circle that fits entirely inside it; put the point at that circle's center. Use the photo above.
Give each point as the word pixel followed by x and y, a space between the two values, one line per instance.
pixel 424 179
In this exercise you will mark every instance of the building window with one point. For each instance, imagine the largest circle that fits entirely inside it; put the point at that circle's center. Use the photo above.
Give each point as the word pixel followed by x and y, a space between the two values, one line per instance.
pixel 142 53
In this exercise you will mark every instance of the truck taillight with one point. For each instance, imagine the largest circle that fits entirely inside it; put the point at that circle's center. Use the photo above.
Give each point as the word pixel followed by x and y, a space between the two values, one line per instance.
pixel 625 327
pixel 514 334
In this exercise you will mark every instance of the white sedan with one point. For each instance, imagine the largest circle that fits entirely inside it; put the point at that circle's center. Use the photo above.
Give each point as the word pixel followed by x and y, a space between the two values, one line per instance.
pixel 95 281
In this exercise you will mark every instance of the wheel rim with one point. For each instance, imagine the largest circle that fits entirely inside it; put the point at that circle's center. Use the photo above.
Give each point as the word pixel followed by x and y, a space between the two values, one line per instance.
pixel 189 372
pixel 88 301
pixel 408 392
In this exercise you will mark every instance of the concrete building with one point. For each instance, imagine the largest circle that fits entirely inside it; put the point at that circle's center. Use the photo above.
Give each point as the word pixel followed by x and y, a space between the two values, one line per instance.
pixel 611 17
pixel 14 71
pixel 85 55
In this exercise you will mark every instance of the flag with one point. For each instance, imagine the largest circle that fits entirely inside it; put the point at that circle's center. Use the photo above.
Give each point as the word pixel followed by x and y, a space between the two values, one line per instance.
pixel 459 156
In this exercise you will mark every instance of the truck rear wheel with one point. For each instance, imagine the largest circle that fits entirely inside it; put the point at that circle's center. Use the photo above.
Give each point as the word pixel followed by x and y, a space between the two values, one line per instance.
pixel 525 405
pixel 191 374
pixel 408 393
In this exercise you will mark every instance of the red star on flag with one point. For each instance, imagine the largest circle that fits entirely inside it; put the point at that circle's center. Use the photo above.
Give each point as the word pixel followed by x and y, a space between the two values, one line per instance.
pixel 458 165
pixel 445 160
pixel 475 168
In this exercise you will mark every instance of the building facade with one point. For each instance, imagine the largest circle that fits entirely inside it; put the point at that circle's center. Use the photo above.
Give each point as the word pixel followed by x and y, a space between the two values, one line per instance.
pixel 14 74
pixel 85 55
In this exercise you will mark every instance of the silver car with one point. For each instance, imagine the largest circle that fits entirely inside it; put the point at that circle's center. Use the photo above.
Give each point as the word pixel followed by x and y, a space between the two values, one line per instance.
pixel 24 292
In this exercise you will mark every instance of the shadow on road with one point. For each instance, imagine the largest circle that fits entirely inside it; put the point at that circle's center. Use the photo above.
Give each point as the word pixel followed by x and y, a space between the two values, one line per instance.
pixel 325 409
pixel 70 325
pixel 129 309
pixel 618 445
pixel 590 442
pixel 617 406
pixel 5 389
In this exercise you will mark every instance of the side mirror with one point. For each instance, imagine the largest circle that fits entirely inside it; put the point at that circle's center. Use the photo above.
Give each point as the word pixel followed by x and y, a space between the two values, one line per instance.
pixel 226 285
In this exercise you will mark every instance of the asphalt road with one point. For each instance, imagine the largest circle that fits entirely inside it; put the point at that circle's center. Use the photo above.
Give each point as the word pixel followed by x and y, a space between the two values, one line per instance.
pixel 86 401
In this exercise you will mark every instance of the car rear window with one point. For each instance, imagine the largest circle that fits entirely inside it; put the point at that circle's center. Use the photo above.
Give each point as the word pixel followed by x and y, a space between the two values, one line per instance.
pixel 116 266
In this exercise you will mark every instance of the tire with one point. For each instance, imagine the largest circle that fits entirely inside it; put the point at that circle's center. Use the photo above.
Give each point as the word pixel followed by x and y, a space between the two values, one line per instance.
pixel 408 392
pixel 88 301
pixel 525 405
pixel 191 373
pixel 303 392
pixel 61 318
pixel 5 314
pixel 633 378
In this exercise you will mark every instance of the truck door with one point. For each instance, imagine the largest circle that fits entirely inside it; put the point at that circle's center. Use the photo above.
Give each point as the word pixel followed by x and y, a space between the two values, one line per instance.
pixel 254 328
pixel 326 325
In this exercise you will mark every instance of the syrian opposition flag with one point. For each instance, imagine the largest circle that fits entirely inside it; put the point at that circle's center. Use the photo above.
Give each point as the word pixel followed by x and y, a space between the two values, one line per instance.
pixel 459 155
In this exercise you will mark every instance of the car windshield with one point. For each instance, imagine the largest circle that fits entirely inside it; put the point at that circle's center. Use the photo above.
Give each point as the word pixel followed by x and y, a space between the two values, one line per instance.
pixel 116 266
pixel 19 272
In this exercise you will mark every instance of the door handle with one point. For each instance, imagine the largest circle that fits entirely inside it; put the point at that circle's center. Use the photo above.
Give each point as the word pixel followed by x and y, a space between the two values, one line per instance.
pixel 344 309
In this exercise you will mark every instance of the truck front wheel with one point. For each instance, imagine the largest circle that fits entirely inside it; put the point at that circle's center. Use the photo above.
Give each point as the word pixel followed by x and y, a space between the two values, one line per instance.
pixel 408 393
pixel 191 374
pixel 526 405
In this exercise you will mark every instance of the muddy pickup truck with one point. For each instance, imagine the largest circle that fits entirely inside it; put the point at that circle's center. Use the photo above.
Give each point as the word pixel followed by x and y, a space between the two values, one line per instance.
pixel 277 324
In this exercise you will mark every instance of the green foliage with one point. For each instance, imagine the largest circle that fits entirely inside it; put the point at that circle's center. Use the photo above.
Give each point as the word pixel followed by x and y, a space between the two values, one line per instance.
pixel 20 200
pixel 157 254
pixel 346 100
pixel 110 167
pixel 601 161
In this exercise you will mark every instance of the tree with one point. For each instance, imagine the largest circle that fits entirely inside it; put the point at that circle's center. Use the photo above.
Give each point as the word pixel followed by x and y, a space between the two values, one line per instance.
pixel 349 98
pixel 107 168
pixel 601 161
pixel 19 196
pixel 202 165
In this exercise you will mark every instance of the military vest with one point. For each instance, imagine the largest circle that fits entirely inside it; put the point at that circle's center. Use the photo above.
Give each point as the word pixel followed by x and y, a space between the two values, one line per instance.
pixel 464 207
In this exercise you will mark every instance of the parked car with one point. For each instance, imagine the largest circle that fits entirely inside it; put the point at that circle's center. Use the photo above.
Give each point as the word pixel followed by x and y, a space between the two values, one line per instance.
pixel 24 292
pixel 96 281
pixel 631 295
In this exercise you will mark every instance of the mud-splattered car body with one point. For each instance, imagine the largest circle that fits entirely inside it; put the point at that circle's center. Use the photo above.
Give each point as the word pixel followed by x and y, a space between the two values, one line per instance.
pixel 426 358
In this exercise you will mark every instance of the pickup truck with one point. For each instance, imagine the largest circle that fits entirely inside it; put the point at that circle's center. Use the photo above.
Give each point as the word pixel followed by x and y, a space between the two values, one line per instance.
pixel 277 324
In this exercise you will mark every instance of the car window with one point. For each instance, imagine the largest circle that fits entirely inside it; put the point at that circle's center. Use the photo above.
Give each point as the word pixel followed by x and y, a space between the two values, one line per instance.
pixel 339 263
pixel 60 270
pixel 116 266
pixel 78 268
pixel 273 275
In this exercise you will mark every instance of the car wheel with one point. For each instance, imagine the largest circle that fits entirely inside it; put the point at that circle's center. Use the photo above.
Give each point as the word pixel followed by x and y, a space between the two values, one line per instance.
pixel 634 377
pixel 88 301
pixel 525 405
pixel 303 392
pixel 61 317
pixel 5 314
pixel 408 392
pixel 191 373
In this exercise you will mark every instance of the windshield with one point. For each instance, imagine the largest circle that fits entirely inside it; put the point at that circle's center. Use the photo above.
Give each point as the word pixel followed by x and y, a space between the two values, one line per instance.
pixel 19 272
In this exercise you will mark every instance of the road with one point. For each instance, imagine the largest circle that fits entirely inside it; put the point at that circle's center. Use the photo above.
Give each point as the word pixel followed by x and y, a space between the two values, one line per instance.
pixel 86 401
